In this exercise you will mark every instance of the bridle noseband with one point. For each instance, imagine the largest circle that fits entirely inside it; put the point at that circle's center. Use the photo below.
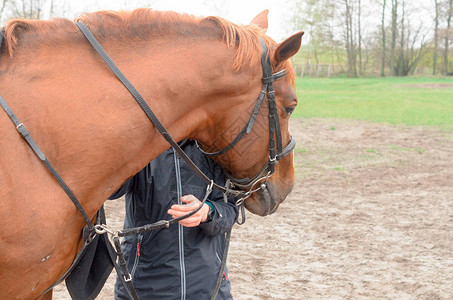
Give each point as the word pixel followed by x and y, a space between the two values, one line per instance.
pixel 276 152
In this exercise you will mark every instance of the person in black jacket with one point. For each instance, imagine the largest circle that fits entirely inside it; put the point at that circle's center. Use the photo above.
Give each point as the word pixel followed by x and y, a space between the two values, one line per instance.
pixel 182 261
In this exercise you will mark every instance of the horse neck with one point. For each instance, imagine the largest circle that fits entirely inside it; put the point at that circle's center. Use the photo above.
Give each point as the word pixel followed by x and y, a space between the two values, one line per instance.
pixel 91 128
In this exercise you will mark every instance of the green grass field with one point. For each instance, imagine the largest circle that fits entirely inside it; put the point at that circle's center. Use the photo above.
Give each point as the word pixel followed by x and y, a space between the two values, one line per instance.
pixel 409 101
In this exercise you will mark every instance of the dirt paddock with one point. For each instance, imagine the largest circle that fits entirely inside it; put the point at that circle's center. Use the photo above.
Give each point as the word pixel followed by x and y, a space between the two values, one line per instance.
pixel 371 217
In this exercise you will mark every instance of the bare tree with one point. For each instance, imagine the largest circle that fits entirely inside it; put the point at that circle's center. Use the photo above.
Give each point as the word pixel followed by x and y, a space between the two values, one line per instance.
pixel 399 65
pixel 436 35
pixel 359 33
pixel 409 54
pixel 333 47
pixel 349 38
pixel 383 39
pixel 447 36
pixel 316 17
pixel 26 9
pixel 394 34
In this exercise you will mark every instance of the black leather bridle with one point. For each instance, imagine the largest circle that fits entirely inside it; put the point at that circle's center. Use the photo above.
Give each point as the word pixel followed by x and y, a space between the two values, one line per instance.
pixel 276 152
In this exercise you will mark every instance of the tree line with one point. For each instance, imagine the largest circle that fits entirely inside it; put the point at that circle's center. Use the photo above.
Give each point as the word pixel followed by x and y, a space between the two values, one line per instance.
pixel 354 37
pixel 376 37
pixel 32 9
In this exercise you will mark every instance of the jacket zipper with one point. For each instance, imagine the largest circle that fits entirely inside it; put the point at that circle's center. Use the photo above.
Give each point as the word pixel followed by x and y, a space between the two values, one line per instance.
pixel 180 229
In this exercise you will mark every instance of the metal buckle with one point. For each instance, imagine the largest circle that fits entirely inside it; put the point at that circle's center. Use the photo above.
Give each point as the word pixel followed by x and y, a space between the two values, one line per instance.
pixel 23 130
pixel 127 279
pixel 20 125
pixel 210 186
pixel 273 161
pixel 240 201
pixel 103 229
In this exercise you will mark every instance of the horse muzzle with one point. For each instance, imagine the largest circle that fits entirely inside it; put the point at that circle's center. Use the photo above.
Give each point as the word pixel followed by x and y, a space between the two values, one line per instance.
pixel 266 200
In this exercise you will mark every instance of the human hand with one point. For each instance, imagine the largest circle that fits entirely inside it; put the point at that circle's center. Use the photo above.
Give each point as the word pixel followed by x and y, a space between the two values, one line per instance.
pixel 193 203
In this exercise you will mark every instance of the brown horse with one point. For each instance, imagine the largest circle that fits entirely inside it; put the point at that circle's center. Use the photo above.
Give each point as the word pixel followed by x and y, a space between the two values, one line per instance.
pixel 200 76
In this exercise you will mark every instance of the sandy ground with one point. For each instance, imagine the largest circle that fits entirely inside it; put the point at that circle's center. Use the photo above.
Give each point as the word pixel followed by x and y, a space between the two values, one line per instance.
pixel 371 217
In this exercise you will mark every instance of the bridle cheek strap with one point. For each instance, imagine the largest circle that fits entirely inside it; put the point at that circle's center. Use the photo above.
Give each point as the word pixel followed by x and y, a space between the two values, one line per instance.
pixel 276 150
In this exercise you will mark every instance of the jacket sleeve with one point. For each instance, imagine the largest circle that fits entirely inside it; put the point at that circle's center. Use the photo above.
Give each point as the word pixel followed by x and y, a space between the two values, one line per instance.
pixel 225 213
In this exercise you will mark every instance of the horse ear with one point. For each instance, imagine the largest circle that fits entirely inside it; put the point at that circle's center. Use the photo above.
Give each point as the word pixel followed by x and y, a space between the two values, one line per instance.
pixel 261 20
pixel 287 48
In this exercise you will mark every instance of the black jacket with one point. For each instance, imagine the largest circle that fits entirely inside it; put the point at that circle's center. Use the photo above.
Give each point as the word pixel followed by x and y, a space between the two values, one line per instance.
pixel 177 262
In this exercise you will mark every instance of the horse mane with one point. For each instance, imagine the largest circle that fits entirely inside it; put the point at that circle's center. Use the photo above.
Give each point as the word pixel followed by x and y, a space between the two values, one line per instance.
pixel 141 24
pixel 16 28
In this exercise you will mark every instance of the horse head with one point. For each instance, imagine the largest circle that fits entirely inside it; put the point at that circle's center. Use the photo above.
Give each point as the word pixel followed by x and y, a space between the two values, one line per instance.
pixel 251 158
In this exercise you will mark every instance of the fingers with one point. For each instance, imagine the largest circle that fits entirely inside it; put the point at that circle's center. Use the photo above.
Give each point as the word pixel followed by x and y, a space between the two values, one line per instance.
pixel 177 211
pixel 189 199
pixel 191 221
pixel 192 204
pixel 181 208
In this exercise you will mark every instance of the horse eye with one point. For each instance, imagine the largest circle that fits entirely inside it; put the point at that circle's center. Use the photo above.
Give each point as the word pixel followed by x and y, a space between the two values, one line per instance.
pixel 290 109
